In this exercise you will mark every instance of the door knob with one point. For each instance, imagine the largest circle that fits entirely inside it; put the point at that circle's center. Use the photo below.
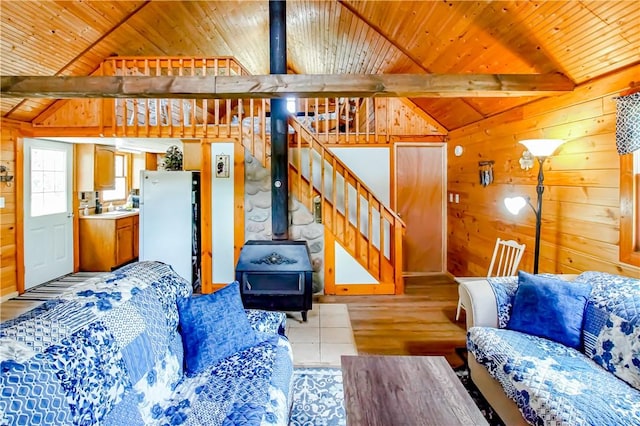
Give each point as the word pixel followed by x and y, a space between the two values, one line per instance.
pixel 69 214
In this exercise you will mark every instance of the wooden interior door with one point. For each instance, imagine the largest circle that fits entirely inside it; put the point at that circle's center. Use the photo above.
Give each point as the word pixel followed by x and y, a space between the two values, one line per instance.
pixel 420 200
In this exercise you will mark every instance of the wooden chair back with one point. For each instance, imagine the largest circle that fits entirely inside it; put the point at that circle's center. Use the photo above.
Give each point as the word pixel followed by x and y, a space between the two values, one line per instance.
pixel 506 258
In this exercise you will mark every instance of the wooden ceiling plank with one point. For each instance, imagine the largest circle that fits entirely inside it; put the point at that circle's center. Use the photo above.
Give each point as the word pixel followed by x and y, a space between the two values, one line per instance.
pixel 494 42
pixel 273 86
pixel 296 60
pixel 445 20
pixel 380 49
pixel 379 31
pixel 353 35
pixel 600 43
pixel 105 35
pixel 360 45
pixel 311 57
pixel 89 47
pixel 337 19
pixel 584 35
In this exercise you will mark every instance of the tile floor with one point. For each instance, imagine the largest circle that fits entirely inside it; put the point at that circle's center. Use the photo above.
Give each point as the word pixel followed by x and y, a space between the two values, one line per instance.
pixel 324 338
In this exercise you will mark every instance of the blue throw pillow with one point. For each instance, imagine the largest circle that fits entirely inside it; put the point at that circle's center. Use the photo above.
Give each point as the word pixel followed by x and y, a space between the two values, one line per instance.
pixel 214 326
pixel 549 307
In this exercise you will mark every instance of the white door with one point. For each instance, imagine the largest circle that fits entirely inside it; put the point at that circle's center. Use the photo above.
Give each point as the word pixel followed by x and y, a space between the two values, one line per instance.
pixel 48 212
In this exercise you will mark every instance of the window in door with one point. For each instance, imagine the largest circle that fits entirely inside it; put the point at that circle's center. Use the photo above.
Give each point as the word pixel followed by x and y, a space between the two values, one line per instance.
pixel 120 191
pixel 630 208
pixel 48 182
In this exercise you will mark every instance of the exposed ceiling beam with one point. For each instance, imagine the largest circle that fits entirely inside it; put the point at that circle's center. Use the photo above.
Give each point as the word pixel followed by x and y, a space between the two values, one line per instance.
pixel 91 46
pixel 285 85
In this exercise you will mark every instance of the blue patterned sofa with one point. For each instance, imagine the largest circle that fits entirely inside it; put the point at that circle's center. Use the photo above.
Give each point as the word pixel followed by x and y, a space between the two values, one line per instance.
pixel 109 351
pixel 530 379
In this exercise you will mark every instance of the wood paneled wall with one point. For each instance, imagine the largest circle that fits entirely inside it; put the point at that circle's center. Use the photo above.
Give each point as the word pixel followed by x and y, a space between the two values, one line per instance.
pixel 399 116
pixel 8 245
pixel 581 207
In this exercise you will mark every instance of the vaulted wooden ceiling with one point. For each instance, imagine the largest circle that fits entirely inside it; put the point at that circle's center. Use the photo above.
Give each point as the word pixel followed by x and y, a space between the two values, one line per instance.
pixel 581 39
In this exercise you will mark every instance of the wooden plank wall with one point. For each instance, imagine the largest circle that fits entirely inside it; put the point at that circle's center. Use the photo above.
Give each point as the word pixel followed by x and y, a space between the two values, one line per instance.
pixel 8 245
pixel 581 207
pixel 399 116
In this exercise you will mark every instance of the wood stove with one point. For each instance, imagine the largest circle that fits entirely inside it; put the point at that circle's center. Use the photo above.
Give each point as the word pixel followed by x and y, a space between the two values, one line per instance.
pixel 275 275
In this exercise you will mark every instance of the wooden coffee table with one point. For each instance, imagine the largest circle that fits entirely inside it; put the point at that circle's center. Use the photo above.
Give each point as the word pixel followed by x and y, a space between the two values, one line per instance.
pixel 405 390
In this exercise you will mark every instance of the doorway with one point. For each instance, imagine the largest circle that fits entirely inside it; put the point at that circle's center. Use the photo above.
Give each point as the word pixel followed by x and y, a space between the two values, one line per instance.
pixel 420 200
pixel 48 212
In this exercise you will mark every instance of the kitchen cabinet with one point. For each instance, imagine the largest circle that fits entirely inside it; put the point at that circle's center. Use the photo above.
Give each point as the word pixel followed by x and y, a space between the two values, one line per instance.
pixel 191 155
pixel 108 240
pixel 124 240
pixel 95 167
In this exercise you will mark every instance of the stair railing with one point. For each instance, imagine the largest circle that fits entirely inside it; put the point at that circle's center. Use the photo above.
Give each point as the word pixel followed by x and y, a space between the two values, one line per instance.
pixel 370 231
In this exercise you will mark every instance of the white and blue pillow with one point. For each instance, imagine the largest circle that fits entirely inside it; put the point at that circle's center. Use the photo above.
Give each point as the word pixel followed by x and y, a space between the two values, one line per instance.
pixel 612 325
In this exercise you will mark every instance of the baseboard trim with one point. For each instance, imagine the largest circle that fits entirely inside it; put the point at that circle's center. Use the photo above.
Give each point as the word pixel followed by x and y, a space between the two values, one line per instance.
pixel 8 296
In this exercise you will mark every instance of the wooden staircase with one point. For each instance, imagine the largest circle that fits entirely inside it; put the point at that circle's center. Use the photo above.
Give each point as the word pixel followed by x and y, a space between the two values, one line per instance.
pixel 353 216
pixel 373 233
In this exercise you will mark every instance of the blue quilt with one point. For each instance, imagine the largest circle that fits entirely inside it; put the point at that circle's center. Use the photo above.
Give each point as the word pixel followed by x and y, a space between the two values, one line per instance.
pixel 108 351
pixel 553 384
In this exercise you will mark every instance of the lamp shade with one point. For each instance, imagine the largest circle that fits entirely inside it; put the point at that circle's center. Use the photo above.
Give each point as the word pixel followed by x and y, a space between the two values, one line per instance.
pixel 542 147
pixel 515 204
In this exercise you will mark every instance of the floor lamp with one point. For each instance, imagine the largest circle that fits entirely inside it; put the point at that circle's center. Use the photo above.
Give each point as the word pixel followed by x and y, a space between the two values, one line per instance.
pixel 541 149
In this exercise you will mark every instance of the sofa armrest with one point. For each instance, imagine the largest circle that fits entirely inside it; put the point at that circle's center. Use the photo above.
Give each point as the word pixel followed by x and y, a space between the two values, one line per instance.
pixel 479 301
pixel 272 322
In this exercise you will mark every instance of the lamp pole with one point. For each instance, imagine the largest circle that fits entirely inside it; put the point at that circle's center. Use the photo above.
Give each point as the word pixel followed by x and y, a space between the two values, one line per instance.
pixel 541 149
pixel 538 212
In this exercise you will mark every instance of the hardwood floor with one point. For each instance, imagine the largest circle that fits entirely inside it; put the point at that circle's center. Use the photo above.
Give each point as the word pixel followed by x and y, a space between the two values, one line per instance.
pixel 419 322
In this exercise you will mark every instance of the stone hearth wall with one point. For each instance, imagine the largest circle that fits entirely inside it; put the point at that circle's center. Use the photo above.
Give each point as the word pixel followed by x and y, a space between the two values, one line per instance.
pixel 257 202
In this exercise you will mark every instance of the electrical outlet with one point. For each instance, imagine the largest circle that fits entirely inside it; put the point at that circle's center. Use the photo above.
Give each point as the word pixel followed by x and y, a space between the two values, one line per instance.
pixel 457 198
pixel 1 202
pixel 451 197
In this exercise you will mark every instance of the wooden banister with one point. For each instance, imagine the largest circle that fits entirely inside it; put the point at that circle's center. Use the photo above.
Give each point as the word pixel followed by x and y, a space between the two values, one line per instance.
pixel 382 254
pixel 368 230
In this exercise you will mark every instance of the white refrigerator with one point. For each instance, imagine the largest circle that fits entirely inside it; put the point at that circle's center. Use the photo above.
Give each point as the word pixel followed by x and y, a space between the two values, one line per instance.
pixel 169 221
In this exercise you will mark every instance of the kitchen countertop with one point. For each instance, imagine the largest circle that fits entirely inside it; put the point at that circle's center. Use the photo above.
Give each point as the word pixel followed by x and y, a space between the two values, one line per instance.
pixel 115 214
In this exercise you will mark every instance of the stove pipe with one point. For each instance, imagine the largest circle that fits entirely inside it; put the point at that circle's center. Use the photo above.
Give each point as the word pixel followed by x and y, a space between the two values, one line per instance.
pixel 279 125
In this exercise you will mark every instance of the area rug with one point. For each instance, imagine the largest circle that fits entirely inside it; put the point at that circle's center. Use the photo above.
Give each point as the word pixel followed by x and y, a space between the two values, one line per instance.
pixel 53 289
pixel 483 405
pixel 318 397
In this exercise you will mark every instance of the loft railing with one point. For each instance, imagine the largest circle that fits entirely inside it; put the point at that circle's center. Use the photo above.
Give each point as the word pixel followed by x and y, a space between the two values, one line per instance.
pixel 170 117
pixel 332 120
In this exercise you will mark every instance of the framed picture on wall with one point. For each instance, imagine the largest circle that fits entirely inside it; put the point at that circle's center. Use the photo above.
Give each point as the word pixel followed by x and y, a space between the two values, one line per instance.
pixel 222 166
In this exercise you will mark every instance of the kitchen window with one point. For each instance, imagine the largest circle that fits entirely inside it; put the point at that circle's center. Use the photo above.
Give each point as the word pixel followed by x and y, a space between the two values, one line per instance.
pixel 120 191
